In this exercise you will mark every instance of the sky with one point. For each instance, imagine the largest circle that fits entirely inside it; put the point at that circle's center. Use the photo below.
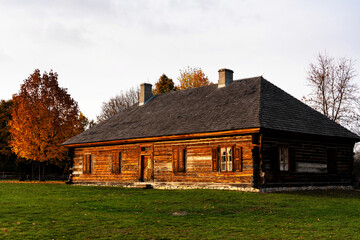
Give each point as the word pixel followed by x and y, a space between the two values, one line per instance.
pixel 102 47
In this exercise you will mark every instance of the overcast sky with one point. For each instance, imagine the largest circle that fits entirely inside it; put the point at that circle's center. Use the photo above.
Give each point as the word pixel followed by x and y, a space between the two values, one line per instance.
pixel 100 47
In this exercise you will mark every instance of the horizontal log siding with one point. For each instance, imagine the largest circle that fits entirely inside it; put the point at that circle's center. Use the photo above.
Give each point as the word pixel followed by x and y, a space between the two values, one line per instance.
pixel 309 155
pixel 198 165
pixel 199 161
pixel 101 164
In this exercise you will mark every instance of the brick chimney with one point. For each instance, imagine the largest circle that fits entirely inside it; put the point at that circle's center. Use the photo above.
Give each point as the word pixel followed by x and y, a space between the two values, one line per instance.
pixel 225 77
pixel 145 93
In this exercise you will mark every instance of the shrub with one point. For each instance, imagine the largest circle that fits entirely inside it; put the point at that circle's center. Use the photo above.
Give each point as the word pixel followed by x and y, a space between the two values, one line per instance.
pixel 357 169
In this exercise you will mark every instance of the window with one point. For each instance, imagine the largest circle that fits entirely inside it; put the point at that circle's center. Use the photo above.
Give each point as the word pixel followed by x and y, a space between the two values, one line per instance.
pixel 145 149
pixel 87 164
pixel 179 159
pixel 226 159
pixel 284 158
pixel 116 162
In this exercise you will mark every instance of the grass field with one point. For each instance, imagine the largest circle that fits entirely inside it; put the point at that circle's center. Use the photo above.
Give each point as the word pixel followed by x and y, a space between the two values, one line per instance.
pixel 59 211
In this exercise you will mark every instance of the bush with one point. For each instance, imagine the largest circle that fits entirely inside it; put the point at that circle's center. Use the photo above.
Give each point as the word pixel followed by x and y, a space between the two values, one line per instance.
pixel 357 169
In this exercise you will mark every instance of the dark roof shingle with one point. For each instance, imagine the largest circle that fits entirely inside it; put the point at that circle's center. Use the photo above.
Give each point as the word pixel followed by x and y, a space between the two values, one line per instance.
pixel 246 103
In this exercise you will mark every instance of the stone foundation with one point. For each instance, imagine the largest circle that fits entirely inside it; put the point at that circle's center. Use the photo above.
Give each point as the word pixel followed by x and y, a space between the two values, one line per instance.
pixel 216 186
pixel 305 188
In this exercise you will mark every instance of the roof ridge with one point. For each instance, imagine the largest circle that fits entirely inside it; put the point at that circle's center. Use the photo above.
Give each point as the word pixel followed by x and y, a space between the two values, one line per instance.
pixel 245 103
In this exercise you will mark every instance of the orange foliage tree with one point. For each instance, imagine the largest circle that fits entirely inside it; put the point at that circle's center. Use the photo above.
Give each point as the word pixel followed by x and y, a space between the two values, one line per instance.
pixel 193 77
pixel 44 115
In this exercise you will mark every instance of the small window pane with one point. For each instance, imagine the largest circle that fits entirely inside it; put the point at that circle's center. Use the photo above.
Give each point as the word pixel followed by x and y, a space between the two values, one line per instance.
pixel 223 166
pixel 229 166
pixel 229 151
pixel 284 158
pixel 223 151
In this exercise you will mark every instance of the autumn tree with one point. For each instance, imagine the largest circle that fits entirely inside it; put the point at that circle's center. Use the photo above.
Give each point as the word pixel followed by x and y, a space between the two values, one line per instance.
pixel 333 90
pixel 7 157
pixel 192 77
pixel 44 116
pixel 118 103
pixel 84 122
pixel 163 85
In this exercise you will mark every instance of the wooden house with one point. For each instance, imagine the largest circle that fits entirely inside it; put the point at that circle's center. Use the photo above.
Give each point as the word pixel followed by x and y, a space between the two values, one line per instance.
pixel 245 133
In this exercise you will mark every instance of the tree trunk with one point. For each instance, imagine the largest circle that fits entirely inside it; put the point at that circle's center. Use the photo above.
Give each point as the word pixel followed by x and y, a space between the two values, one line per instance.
pixel 21 175
pixel 32 171
pixel 3 170
pixel 43 172
pixel 40 172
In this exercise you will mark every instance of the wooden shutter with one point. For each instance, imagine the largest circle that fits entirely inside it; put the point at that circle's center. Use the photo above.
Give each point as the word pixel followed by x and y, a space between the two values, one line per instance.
pixel 238 159
pixel 115 163
pixel 275 159
pixel 119 161
pixel 84 163
pixel 181 160
pixel 175 160
pixel 292 160
pixel 89 164
pixel 215 160
pixel 116 159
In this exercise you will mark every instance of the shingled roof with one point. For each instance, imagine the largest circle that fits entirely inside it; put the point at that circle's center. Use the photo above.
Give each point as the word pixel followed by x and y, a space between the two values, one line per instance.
pixel 242 104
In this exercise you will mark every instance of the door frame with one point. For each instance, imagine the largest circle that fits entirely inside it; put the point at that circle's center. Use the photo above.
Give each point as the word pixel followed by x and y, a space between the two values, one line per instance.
pixel 146 150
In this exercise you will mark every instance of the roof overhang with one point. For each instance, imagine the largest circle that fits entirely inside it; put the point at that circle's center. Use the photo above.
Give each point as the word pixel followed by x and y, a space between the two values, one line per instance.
pixel 166 138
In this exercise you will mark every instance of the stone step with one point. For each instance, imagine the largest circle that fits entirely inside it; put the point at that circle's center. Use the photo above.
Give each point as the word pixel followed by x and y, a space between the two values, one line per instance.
pixel 144 186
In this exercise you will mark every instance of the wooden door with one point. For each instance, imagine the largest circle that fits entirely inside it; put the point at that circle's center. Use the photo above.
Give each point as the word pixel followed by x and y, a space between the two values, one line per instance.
pixel 146 168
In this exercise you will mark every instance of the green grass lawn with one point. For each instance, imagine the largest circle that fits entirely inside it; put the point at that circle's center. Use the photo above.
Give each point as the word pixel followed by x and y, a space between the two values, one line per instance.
pixel 59 211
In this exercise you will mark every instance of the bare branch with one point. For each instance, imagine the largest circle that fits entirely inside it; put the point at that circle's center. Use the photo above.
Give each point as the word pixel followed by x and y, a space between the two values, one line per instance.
pixel 118 103
pixel 334 92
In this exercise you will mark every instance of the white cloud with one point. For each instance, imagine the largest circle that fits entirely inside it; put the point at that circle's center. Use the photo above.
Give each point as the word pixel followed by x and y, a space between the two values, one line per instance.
pixel 100 47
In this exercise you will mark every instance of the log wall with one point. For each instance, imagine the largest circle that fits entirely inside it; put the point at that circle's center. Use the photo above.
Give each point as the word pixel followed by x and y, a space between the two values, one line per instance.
pixel 308 160
pixel 198 161
pixel 308 157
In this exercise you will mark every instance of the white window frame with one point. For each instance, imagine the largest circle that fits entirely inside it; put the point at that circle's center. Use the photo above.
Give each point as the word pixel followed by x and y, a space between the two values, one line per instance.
pixel 226 159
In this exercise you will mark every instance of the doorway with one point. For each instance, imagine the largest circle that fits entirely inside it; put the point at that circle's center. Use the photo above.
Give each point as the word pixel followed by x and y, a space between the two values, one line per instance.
pixel 146 168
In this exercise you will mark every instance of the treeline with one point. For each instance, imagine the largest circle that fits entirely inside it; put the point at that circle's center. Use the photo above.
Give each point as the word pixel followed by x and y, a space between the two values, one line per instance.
pixel 34 123
pixel 189 78
pixel 42 115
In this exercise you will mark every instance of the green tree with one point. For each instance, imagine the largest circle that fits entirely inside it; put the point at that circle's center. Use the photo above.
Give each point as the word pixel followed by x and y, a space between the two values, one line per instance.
pixel 7 157
pixel 163 85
